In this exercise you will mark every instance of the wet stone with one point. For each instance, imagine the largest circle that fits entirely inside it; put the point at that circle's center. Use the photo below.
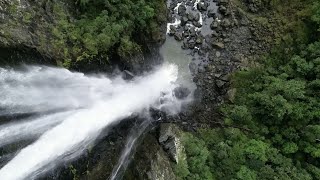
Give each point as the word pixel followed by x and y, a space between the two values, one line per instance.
pixel 190 17
pixel 181 92
pixel 218 45
pixel 214 33
pixel 197 17
pixel 192 31
pixel 208 38
pixel 214 25
pixel 192 44
pixel 178 36
pixel 225 77
pixel 197 24
pixel 171 33
pixel 185 44
pixel 218 54
pixel 199 40
pixel 226 23
pixel 223 10
pixel 202 6
pixel 211 13
pixel 223 2
pixel 192 67
pixel 172 6
pixel 182 10
pixel 184 20
pixel 220 83
pixel 217 75
pixel 186 33
pixel 173 28
pixel 127 75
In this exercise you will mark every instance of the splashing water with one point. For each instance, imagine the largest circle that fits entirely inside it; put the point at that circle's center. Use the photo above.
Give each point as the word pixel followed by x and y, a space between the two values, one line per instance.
pixel 91 102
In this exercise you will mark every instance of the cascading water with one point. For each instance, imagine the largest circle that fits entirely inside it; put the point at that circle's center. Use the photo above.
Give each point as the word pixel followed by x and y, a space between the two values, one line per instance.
pixel 73 110
pixel 124 159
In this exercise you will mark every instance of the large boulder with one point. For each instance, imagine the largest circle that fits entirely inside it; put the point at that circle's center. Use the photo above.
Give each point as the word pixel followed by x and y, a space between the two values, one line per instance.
pixel 212 13
pixel 184 20
pixel 214 25
pixel 181 92
pixel 182 10
pixel 202 6
pixel 197 17
pixel 171 140
pixel 178 36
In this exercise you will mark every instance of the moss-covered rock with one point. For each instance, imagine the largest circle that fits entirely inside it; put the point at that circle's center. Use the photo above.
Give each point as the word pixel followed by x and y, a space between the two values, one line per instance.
pixel 32 24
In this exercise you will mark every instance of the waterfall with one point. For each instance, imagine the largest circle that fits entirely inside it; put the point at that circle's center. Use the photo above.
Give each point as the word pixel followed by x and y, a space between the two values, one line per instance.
pixel 72 110
pixel 124 159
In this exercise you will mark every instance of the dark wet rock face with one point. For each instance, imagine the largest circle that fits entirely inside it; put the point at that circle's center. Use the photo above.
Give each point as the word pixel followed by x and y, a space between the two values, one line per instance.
pixel 181 92
pixel 127 75
pixel 150 162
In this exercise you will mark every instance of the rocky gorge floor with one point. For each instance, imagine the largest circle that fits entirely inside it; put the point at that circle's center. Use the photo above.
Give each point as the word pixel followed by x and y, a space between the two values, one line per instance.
pixel 224 41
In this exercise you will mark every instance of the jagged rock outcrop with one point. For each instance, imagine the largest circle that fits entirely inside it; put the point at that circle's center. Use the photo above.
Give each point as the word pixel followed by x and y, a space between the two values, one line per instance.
pixel 150 162
pixel 170 139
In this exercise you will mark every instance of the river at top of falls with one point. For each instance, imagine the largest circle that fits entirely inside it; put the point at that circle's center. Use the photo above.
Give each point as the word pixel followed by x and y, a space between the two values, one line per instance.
pixel 80 107
pixel 188 59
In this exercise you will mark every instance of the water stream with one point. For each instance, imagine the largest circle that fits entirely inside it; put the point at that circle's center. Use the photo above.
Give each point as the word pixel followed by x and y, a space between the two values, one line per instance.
pixel 84 106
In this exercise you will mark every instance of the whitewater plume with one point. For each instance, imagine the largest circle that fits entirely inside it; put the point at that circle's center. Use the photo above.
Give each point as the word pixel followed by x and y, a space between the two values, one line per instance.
pixel 37 89
pixel 29 128
pixel 99 102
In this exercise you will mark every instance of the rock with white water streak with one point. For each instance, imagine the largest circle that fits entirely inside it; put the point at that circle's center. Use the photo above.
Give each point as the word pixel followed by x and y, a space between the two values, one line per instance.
pixel 170 138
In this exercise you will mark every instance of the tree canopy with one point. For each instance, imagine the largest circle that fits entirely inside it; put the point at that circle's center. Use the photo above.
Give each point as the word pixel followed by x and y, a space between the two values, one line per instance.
pixel 278 105
pixel 104 28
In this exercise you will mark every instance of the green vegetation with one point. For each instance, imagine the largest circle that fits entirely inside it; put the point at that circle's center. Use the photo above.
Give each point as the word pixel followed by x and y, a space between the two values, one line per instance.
pixel 103 29
pixel 277 110
pixel 232 154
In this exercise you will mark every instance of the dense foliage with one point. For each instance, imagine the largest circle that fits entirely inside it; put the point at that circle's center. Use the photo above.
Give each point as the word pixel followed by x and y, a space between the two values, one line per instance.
pixel 104 28
pixel 277 110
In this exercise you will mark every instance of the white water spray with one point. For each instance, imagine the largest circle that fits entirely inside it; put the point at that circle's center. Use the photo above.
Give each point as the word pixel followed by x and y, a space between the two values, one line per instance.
pixel 98 101
pixel 29 129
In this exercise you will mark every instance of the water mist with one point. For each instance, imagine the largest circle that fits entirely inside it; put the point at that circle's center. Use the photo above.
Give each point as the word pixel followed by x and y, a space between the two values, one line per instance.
pixel 83 106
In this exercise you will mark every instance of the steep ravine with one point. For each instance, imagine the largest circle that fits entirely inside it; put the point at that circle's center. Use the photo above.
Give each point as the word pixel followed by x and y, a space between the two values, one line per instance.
pixel 223 44
pixel 220 50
